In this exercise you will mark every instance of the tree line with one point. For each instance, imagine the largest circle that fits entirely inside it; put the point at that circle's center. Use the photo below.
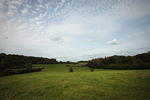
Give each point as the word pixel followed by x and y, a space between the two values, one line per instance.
pixel 139 61
pixel 12 61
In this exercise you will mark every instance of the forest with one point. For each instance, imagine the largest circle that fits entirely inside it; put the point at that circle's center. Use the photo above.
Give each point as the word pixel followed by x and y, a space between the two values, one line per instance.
pixel 18 61
pixel 139 61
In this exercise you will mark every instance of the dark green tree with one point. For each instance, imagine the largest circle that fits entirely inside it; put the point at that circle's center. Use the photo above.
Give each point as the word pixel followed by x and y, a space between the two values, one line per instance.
pixel 28 66
pixel 4 65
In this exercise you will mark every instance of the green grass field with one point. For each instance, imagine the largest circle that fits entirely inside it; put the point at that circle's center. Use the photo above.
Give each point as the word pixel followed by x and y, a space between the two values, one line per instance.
pixel 55 82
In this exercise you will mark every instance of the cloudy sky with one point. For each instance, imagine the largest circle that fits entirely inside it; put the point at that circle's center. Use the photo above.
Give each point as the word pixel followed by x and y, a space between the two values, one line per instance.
pixel 73 30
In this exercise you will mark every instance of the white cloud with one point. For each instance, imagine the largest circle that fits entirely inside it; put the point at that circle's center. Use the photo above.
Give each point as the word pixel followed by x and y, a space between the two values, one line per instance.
pixel 56 38
pixel 40 5
pixel 71 51
pixel 12 7
pixel 128 36
pixel 114 41
pixel 47 5
pixel 40 1
pixel 1 6
pixel 31 20
pixel 66 29
pixel 16 2
pixel 34 12
pixel 2 16
pixel 95 32
pixel 10 14
pixel 138 33
pixel 56 8
pixel 87 41
pixel 42 15
pixel 71 22
pixel 39 23
pixel 62 2
pixel 24 11
pixel 28 6
pixel 36 18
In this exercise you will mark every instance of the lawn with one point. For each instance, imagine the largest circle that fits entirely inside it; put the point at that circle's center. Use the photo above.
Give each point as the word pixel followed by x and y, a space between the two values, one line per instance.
pixel 55 82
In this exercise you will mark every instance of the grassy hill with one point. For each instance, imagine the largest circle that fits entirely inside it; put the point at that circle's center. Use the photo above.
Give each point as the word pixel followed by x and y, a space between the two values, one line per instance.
pixel 55 82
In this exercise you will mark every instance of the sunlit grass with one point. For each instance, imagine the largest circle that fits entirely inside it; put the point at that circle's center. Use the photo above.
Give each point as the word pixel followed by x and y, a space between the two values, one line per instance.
pixel 55 82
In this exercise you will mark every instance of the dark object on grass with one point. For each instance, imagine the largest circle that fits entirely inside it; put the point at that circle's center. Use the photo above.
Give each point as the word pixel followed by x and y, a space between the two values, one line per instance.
pixel 92 70
pixel 70 69
pixel 28 67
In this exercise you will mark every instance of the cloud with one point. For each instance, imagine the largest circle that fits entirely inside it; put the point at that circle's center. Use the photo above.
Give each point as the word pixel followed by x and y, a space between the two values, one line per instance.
pixel 65 28
pixel 94 55
pixel 56 8
pixel 11 10
pixel 3 16
pixel 39 23
pixel 42 15
pixel 71 51
pixel 133 51
pixel 16 2
pixel 58 39
pixel 36 18
pixel 128 36
pixel 1 6
pixel 138 33
pixel 10 14
pixel 12 7
pixel 87 41
pixel 24 11
pixel 39 6
pixel 28 6
pixel 114 41
pixel 31 20
pixel 62 2
pixel 40 1
pixel 93 22
pixel 95 32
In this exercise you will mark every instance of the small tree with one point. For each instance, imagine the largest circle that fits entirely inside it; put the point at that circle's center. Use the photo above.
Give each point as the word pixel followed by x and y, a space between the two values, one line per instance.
pixel 70 69
pixel 28 66
pixel 92 70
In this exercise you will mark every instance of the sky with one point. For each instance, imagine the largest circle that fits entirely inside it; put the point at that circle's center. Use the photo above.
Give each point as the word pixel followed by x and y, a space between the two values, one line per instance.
pixel 74 30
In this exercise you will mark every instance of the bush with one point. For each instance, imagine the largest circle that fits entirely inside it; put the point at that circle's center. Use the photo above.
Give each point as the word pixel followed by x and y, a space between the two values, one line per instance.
pixel 92 70
pixel 28 66
pixel 3 66
pixel 70 69
pixel 67 65
pixel 7 72
pixel 1 73
pixel 36 69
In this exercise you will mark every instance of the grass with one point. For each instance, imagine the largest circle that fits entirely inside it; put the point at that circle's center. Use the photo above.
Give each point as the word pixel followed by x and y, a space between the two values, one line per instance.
pixel 77 65
pixel 55 82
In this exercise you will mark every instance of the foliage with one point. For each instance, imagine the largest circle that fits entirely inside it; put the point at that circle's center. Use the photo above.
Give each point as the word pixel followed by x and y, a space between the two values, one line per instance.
pixel 12 61
pixel 82 62
pixel 92 70
pixel 3 66
pixel 70 69
pixel 140 61
pixel 20 60
pixel 28 66
pixel 7 72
